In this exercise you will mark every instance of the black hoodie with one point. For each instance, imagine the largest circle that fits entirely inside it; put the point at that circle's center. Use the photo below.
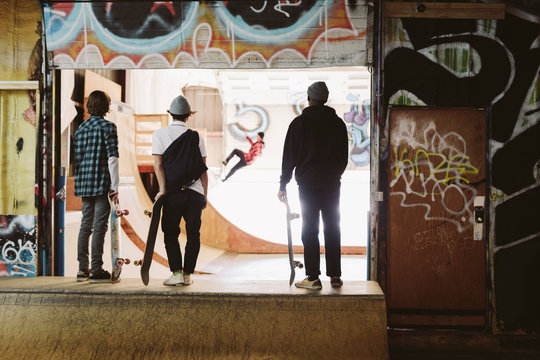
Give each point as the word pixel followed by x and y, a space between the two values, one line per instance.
pixel 316 147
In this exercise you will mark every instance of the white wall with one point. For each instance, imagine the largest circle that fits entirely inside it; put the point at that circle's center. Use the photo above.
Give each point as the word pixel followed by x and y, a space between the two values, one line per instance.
pixel 280 93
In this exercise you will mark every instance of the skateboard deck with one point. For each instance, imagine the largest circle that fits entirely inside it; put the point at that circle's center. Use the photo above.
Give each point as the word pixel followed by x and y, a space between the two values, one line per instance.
pixel 293 263
pixel 116 260
pixel 151 240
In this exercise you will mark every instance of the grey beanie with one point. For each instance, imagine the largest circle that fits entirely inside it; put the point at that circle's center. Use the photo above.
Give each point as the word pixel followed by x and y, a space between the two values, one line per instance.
pixel 318 91
pixel 180 106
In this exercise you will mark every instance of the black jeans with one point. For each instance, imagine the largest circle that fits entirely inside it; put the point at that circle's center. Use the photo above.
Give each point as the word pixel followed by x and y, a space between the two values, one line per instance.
pixel 241 162
pixel 187 204
pixel 325 202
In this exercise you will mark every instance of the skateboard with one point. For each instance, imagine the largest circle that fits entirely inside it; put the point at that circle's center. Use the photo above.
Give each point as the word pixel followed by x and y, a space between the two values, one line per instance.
pixel 151 240
pixel 117 261
pixel 293 263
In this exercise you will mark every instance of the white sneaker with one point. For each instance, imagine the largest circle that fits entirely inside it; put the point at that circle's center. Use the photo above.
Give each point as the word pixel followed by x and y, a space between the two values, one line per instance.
pixel 306 284
pixel 174 280
pixel 187 279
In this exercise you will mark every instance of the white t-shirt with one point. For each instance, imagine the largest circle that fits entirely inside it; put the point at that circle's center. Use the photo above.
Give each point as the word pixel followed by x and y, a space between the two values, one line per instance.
pixel 164 137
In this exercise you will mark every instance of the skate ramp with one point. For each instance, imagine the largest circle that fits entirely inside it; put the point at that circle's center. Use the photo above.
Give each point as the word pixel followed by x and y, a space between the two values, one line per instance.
pixel 217 232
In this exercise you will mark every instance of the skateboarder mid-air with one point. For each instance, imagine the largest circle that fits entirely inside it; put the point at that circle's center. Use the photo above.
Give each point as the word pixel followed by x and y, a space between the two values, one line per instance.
pixel 316 148
pixel 96 178
pixel 245 158
pixel 180 166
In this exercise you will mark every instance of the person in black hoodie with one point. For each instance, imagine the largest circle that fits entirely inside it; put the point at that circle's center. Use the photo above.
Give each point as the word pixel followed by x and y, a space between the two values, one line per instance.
pixel 316 148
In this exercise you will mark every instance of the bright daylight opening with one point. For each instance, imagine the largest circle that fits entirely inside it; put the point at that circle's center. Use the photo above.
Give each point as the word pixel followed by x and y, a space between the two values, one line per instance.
pixel 228 104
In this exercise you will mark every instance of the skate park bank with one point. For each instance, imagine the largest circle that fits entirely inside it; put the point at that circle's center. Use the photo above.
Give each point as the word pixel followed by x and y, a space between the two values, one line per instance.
pixel 208 320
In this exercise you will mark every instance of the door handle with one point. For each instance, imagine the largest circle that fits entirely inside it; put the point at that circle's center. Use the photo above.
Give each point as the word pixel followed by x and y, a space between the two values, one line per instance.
pixel 479 211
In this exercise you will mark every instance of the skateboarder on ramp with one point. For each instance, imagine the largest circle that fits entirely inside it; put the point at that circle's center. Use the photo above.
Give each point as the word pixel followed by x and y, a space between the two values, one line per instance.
pixel 180 166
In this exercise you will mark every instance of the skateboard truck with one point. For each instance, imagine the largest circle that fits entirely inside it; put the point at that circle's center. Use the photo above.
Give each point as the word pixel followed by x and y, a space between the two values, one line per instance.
pixel 120 213
pixel 120 262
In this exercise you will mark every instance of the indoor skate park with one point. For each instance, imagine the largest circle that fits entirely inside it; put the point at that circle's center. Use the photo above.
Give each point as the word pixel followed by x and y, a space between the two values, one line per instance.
pixel 436 176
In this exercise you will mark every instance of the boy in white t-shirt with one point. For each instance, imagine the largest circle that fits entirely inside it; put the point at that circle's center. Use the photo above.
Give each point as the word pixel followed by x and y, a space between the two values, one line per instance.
pixel 183 201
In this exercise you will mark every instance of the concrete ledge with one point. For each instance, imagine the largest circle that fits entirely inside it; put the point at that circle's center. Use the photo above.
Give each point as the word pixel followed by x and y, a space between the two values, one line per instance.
pixel 59 318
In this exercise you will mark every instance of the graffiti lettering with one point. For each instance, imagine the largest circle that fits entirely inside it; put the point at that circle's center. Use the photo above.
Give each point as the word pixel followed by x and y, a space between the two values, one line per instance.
pixel 237 130
pixel 435 171
pixel 22 254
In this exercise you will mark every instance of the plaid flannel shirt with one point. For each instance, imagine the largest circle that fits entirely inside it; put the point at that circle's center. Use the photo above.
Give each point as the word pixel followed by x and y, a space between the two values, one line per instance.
pixel 255 150
pixel 95 141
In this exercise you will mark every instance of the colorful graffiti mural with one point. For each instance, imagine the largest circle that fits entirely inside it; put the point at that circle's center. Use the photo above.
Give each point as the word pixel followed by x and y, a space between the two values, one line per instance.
pixel 211 34
pixel 20 71
pixel 358 128
pixel 483 63
pixel 18 246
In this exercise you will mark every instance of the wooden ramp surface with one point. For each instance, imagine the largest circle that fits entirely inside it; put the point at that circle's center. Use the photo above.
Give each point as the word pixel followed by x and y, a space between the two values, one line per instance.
pixel 60 318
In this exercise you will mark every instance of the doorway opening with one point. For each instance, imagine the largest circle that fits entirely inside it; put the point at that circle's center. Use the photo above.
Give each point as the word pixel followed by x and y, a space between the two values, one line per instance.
pixel 228 102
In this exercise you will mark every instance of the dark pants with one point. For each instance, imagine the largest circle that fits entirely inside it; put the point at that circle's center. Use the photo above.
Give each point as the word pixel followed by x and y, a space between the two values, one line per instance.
pixel 325 202
pixel 240 164
pixel 187 204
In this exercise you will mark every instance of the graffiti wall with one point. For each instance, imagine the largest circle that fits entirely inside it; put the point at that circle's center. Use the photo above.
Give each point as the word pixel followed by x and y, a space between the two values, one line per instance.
pixel 18 245
pixel 210 34
pixel 20 62
pixel 494 65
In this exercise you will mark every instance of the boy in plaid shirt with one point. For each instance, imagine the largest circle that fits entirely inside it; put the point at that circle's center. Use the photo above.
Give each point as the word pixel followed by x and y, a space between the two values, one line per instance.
pixel 245 158
pixel 96 177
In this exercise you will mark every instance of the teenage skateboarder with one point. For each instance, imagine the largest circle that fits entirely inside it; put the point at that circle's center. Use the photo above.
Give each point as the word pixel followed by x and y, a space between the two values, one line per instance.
pixel 180 165
pixel 316 148
pixel 96 176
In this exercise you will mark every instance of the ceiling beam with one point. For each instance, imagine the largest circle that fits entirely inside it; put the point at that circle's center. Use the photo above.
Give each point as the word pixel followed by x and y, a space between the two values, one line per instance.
pixel 442 10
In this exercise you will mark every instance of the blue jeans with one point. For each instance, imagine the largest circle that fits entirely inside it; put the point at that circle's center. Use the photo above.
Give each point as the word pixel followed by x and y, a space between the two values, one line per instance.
pixel 314 203
pixel 95 220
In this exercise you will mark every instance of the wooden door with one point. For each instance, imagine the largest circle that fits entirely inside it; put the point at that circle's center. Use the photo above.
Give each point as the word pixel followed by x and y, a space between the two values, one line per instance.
pixel 436 274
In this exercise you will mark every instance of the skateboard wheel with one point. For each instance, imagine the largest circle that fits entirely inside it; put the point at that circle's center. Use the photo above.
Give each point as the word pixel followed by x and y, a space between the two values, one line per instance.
pixel 147 212
pixel 118 213
pixel 126 212
pixel 127 261
pixel 119 262
pixel 137 262
pixel 300 265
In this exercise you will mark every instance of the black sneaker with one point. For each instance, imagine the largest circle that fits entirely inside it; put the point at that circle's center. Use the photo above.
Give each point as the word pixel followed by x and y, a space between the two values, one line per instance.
pixel 100 276
pixel 83 275
pixel 336 282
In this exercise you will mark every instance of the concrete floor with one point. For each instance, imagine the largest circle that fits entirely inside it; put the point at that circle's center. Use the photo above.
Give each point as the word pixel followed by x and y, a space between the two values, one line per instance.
pixel 248 267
